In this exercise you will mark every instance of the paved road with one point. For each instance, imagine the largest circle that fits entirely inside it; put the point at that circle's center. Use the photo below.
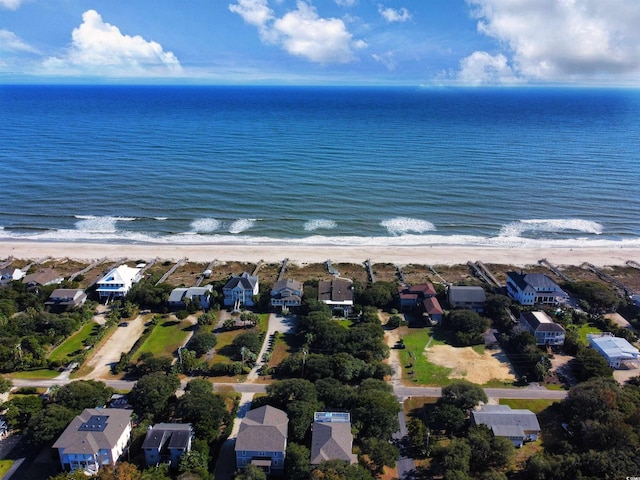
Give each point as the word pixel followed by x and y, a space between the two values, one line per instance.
pixel 404 465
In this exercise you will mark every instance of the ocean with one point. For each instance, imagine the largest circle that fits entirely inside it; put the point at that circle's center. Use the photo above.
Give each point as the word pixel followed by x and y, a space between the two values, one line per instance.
pixel 503 167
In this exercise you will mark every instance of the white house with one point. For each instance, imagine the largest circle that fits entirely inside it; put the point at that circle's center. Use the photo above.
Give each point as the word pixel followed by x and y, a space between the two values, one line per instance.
pixel 286 293
pixel 240 290
pixel 541 326
pixel 95 438
pixel 118 282
pixel 180 296
pixel 66 298
pixel 519 426
pixel 9 274
pixel 534 289
pixel 617 351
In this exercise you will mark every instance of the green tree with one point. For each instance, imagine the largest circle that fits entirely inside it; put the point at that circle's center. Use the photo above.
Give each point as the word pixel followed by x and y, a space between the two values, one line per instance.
pixel 590 363
pixel 467 325
pixel 202 342
pixel 47 425
pixel 160 472
pixel 251 472
pixel 5 385
pixel 297 466
pixel 463 394
pixel 194 463
pixel 381 453
pixel 204 409
pixel 281 393
pixel 339 470
pixel 376 414
pixel 151 393
pixel 417 433
pixel 248 340
pixel 83 394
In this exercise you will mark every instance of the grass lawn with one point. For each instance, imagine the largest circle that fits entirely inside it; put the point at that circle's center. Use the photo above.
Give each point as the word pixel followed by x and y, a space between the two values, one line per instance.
pixel 72 344
pixel 35 374
pixel 5 465
pixel 536 406
pixel 165 339
pixel 584 330
pixel 425 373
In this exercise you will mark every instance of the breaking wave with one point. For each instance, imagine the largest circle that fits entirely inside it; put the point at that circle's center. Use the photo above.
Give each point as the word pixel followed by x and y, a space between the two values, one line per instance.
pixel 558 225
pixel 403 225
pixel 319 224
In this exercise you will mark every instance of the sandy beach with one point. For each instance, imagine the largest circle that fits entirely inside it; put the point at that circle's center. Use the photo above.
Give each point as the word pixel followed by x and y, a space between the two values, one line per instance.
pixel 301 254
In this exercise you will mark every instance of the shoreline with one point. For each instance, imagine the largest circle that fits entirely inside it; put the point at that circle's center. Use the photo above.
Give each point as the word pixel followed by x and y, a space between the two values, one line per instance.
pixel 302 254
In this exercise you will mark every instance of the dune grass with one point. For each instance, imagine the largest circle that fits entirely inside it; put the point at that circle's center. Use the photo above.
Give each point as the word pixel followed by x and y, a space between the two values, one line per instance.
pixel 73 344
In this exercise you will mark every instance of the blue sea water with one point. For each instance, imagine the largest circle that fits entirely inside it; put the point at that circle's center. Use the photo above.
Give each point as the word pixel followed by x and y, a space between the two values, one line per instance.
pixel 306 165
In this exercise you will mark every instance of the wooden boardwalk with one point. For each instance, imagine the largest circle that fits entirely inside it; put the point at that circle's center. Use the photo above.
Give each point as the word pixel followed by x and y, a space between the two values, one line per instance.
pixel 178 264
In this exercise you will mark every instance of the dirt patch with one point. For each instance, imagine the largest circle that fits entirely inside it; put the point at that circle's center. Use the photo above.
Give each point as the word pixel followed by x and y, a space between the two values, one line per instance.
pixel 471 365
pixel 120 341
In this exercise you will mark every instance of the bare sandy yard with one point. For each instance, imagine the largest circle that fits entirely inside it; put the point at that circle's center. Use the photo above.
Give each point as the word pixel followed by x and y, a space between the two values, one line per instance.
pixel 470 365
pixel 120 341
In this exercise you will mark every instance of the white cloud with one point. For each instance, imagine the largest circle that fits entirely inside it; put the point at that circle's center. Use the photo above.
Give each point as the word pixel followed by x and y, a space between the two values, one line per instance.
pixel 346 3
pixel 392 15
pixel 387 59
pixel 565 39
pixel 301 32
pixel 10 42
pixel 481 68
pixel 10 4
pixel 99 48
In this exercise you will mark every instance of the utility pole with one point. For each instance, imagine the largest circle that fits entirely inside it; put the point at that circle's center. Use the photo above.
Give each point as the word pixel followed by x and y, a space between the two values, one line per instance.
pixel 304 360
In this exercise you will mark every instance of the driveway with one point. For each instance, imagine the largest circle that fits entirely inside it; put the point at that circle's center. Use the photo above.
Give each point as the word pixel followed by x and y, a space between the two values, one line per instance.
pixel 120 341
pixel 277 323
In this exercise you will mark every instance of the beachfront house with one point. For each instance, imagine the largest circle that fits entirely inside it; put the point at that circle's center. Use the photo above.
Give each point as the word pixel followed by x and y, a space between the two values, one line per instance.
pixel 469 297
pixel 65 298
pixel 10 274
pixel 93 439
pixel 338 294
pixel 118 282
pixel 331 438
pixel 42 278
pixel 179 297
pixel 286 293
pixel 262 440
pixel 519 425
pixel 541 326
pixel 534 289
pixel 240 290
pixel 618 352
pixel 421 299
pixel 167 443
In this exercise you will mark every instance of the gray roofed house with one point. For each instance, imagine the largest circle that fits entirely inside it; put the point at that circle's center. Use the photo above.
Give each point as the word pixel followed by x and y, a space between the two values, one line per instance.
pixel 519 426
pixel 94 438
pixel 63 298
pixel 240 290
pixel 167 442
pixel 470 297
pixel 616 350
pixel 534 288
pixel 262 439
pixel 179 296
pixel 46 276
pixel 331 438
pixel 8 274
pixel 337 293
pixel 286 293
pixel 541 326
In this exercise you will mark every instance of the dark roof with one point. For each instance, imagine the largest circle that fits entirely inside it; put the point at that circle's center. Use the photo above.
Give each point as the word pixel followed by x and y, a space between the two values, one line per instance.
pixel 263 429
pixel 335 290
pixel 66 296
pixel 246 281
pixel 176 434
pixel 287 283
pixel 42 277
pixel 535 280
pixel 466 294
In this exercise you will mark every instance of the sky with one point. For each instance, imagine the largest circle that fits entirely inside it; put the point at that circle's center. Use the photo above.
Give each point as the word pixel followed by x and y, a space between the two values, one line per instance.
pixel 322 42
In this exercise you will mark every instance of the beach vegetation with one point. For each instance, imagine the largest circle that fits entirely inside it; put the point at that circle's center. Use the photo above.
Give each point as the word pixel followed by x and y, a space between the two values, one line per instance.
pixel 165 338
pixel 465 327
pixel 151 393
pixel 596 297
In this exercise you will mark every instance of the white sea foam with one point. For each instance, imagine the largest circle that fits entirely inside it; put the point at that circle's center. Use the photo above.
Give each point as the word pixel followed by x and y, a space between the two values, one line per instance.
pixel 205 225
pixel 516 229
pixel 161 218
pixel 241 225
pixel 91 223
pixel 403 225
pixel 319 224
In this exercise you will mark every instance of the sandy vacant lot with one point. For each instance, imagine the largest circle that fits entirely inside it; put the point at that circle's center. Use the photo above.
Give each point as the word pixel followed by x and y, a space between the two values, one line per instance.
pixel 121 341
pixel 470 365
